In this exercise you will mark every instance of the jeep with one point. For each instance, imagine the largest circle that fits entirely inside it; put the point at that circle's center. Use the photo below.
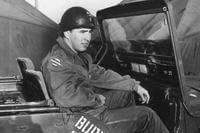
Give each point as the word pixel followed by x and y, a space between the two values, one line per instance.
pixel 139 39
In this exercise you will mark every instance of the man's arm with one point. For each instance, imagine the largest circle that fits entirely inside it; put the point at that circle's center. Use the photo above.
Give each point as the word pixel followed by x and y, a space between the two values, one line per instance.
pixel 109 79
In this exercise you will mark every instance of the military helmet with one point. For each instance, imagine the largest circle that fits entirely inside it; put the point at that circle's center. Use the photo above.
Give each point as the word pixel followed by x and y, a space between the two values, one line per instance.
pixel 76 17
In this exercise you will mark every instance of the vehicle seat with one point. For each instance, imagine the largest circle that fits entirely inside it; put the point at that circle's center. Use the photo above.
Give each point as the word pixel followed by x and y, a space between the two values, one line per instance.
pixel 33 82
pixel 24 64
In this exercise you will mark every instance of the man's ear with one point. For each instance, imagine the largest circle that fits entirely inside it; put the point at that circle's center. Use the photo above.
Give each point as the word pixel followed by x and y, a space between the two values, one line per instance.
pixel 67 34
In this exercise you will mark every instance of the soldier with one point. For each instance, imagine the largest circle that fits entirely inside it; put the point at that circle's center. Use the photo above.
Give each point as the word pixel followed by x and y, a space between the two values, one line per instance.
pixel 75 82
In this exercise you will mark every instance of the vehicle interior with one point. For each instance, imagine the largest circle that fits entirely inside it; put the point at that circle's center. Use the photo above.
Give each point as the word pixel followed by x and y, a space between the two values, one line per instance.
pixel 141 42
pixel 141 46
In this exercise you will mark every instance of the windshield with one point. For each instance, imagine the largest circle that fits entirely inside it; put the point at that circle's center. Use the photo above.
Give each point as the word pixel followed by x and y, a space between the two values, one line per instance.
pixel 147 34
pixel 145 38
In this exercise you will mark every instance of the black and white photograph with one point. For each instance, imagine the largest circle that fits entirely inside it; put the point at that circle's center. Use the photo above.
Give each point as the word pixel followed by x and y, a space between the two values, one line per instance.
pixel 99 66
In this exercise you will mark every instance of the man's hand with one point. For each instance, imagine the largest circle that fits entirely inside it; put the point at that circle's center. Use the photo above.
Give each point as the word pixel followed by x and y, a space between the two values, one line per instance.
pixel 143 93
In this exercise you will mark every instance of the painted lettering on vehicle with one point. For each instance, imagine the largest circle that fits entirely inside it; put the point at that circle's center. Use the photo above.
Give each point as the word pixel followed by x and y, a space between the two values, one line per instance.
pixel 86 126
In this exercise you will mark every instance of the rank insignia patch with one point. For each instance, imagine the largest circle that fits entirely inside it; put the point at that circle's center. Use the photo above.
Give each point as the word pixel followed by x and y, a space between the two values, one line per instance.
pixel 55 62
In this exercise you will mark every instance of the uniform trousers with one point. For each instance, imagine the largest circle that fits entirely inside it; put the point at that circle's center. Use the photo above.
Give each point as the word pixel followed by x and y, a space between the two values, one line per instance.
pixel 123 116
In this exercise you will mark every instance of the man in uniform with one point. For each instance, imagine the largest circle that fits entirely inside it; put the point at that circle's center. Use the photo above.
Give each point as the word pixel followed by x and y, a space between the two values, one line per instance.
pixel 76 83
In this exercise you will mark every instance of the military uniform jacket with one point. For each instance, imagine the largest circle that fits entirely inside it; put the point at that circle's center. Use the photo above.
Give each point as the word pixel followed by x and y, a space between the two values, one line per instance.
pixel 72 78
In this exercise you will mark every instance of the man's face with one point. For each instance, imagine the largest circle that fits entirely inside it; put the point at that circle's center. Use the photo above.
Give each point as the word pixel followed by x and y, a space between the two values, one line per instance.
pixel 80 38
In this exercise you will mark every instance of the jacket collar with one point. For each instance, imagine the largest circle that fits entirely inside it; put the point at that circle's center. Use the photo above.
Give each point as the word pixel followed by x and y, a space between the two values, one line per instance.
pixel 80 56
pixel 66 48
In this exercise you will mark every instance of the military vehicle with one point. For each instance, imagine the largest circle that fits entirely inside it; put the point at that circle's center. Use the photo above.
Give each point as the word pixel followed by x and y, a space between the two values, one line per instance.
pixel 151 54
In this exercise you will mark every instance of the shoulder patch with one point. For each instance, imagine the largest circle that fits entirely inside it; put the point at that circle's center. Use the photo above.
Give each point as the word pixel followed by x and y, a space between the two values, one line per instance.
pixel 55 62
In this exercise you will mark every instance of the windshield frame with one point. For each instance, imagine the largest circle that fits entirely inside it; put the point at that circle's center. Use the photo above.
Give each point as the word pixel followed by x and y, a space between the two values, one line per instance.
pixel 150 7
